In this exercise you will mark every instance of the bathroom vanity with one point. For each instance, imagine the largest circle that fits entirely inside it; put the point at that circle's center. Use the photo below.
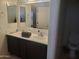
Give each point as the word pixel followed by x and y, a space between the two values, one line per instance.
pixel 30 16
pixel 34 47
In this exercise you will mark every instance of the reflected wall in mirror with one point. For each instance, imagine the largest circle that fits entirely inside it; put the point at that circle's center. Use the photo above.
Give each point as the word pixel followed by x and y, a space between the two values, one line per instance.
pixel 22 14
pixel 33 17
pixel 40 15
pixel 11 13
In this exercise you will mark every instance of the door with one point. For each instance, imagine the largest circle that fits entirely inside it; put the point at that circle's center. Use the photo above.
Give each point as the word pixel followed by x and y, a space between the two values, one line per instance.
pixel 13 46
pixel 23 46
pixel 36 50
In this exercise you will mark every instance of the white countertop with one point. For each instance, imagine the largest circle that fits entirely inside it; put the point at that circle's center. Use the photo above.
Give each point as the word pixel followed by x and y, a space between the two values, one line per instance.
pixel 34 37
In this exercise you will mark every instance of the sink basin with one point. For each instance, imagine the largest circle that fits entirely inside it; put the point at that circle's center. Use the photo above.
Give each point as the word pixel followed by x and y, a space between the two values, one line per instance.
pixel 26 34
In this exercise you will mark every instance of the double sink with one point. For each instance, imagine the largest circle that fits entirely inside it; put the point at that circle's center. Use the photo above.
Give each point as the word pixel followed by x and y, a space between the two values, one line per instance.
pixel 31 35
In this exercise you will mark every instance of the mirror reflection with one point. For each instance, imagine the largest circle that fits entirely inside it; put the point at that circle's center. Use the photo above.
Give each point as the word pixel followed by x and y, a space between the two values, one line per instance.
pixel 11 12
pixel 40 15
pixel 22 14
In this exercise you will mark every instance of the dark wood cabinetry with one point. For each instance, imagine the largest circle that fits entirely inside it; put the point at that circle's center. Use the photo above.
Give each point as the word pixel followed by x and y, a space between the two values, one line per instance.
pixel 23 47
pixel 13 46
pixel 36 50
pixel 26 49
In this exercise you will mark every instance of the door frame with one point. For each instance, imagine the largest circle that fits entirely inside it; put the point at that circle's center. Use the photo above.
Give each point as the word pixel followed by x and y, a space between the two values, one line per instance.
pixel 53 29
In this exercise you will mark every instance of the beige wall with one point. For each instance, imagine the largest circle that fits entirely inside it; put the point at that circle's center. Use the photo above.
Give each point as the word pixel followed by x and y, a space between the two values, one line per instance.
pixel 4 27
pixel 11 27
pixel 42 16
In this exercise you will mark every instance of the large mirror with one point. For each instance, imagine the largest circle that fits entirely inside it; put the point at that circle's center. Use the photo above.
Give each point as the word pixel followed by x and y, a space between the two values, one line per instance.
pixel 11 13
pixel 40 15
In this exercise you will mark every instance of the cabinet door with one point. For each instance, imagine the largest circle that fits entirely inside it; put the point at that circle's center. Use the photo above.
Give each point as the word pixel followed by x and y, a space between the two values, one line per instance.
pixel 13 45
pixel 36 50
pixel 23 47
